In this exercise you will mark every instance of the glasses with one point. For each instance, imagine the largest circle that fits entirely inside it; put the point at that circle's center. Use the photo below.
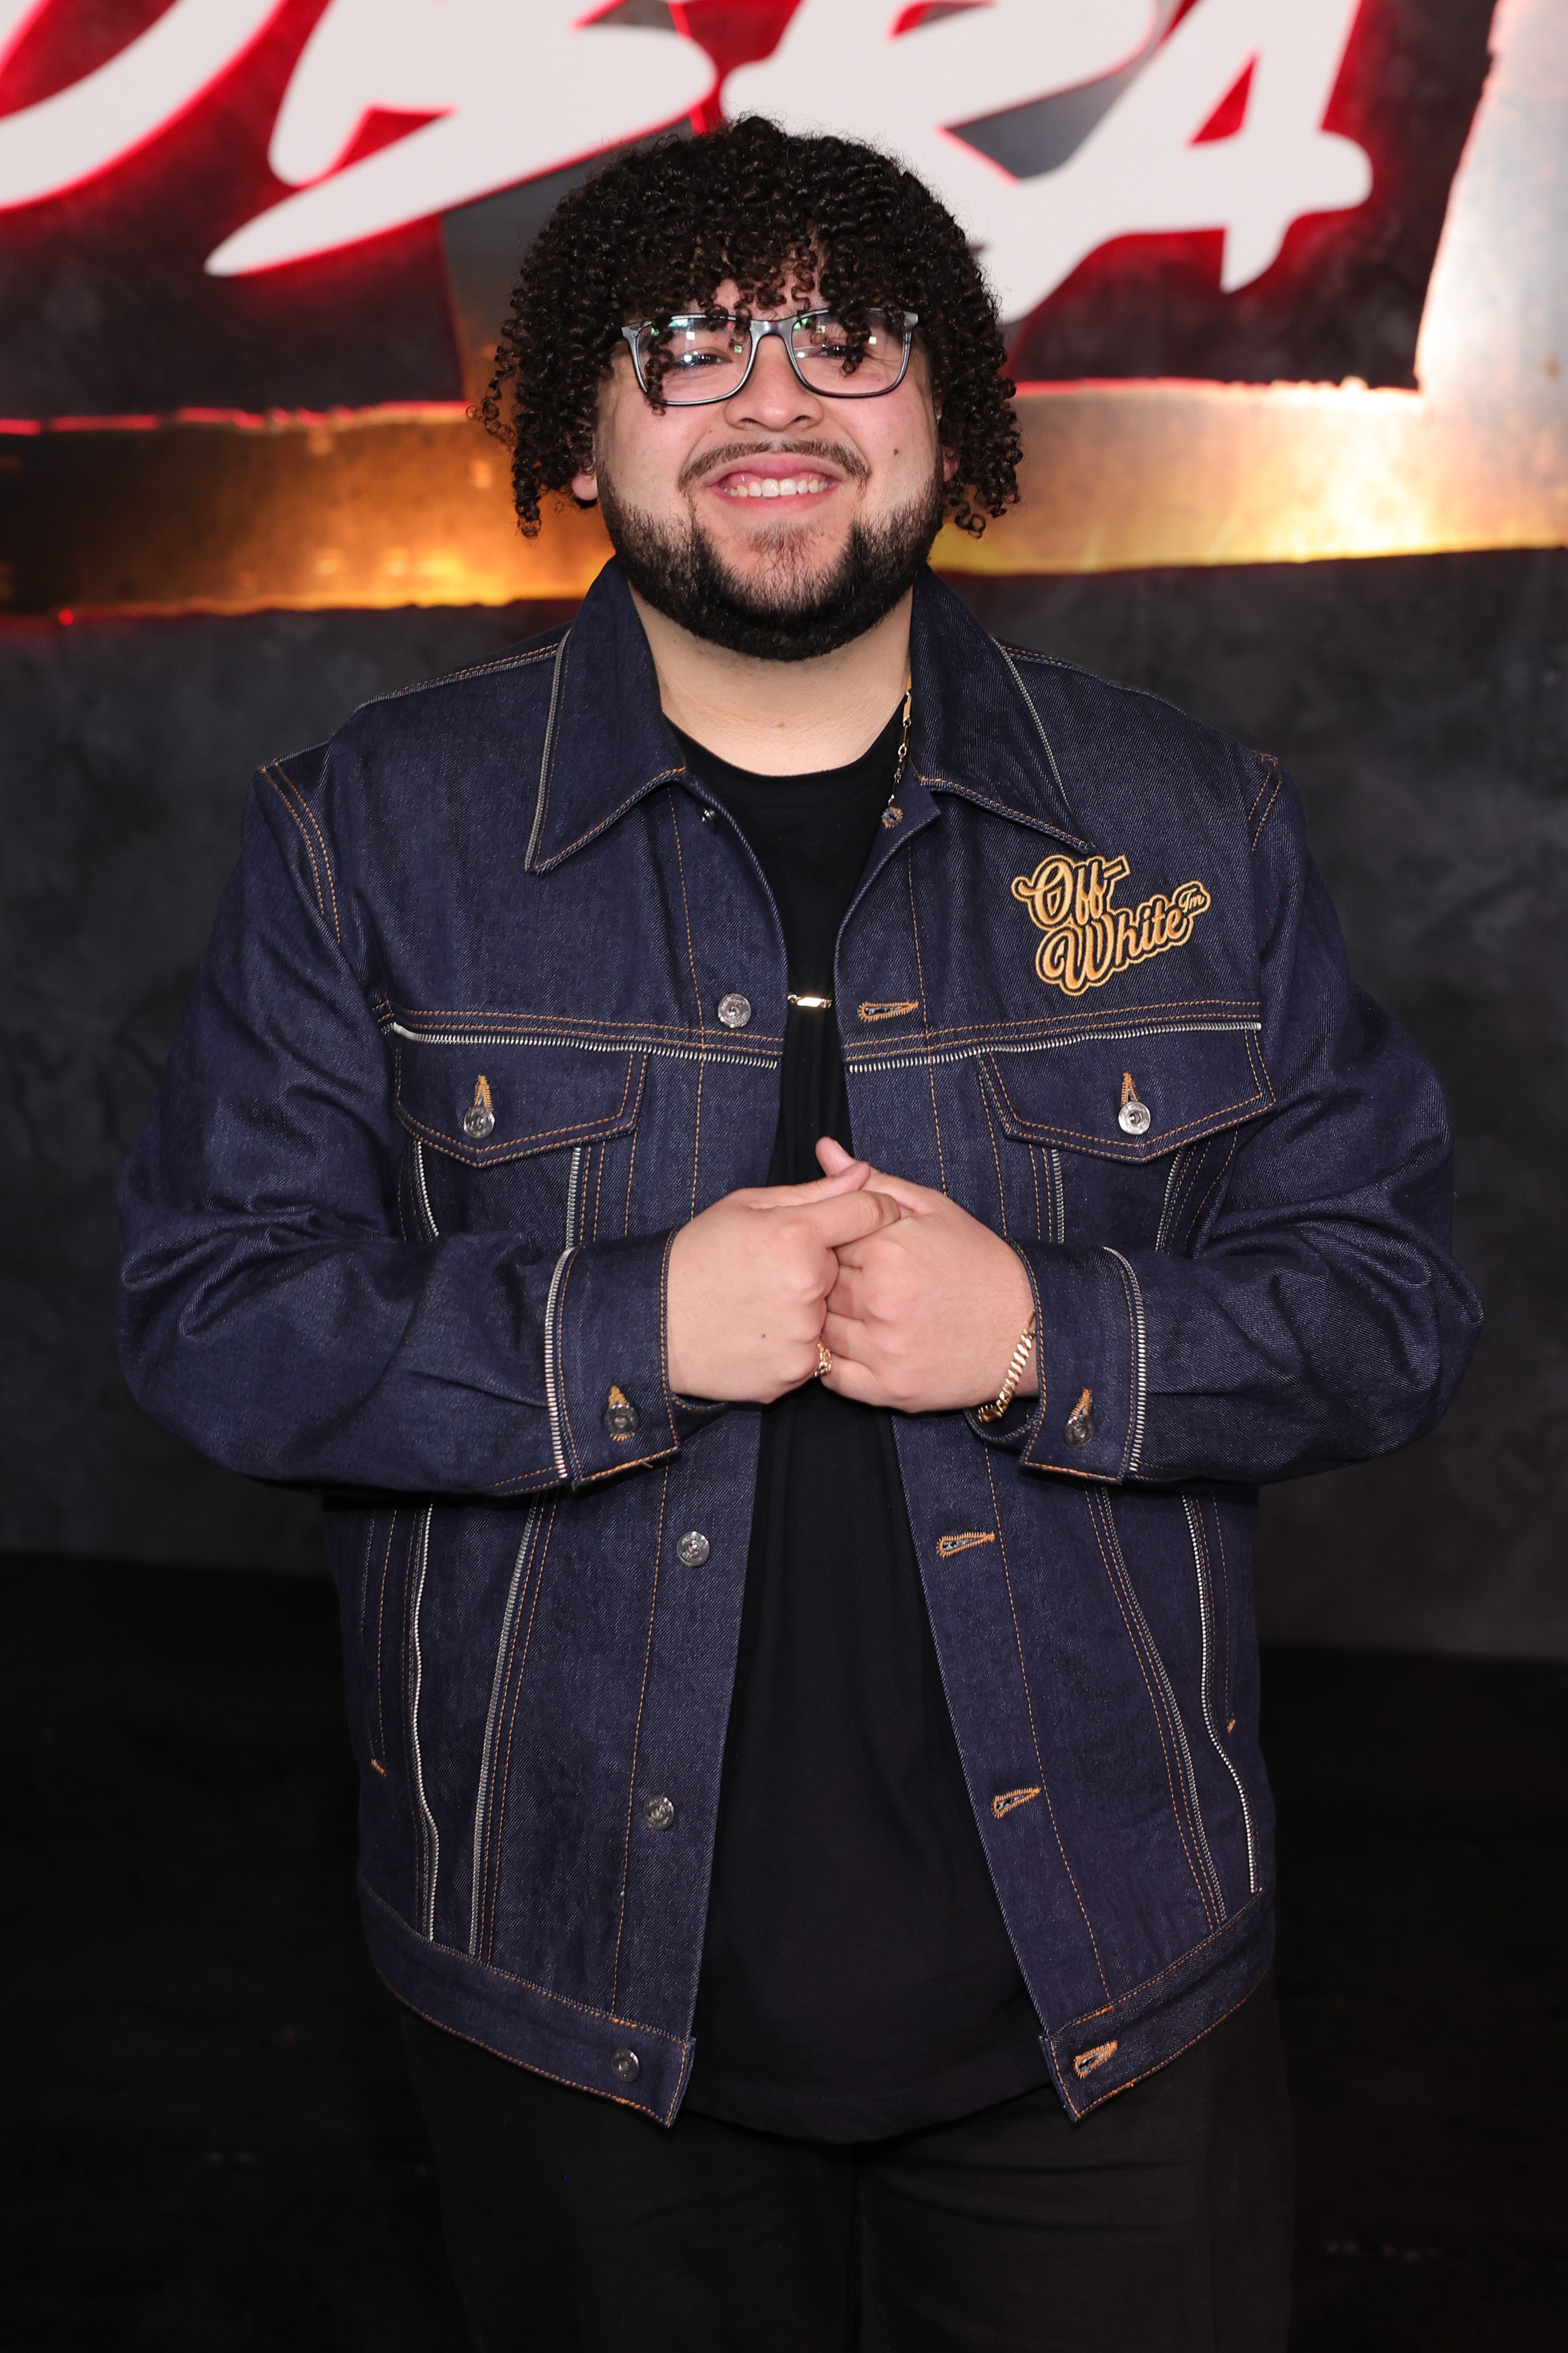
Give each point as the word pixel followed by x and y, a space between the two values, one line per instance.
pixel 696 358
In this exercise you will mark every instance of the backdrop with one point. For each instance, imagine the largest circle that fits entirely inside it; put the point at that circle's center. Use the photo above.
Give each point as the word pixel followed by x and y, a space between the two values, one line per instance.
pixel 1283 279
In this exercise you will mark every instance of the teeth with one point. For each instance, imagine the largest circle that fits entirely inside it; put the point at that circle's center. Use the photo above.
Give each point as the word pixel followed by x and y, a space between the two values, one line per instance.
pixel 774 486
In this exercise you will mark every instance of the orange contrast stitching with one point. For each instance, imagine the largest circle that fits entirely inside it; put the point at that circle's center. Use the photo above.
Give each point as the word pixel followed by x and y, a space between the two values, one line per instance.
pixel 931 1065
pixel 1034 1739
pixel 315 824
pixel 637 1739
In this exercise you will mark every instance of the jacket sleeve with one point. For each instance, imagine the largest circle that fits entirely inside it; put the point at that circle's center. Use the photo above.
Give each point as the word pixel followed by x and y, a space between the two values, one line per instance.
pixel 271 1310
pixel 1315 1315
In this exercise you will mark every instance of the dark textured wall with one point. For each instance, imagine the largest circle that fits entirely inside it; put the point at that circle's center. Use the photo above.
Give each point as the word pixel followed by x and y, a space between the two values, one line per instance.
pixel 1423 708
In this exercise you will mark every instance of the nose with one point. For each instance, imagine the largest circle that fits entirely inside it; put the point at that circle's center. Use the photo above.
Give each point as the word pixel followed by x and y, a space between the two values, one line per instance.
pixel 773 399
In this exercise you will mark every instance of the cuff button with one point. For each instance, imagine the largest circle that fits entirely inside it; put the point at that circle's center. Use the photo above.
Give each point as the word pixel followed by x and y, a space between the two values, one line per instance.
pixel 625 2066
pixel 1081 1424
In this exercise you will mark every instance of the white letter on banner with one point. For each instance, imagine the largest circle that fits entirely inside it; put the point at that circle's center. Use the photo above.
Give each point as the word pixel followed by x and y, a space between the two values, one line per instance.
pixel 522 90
pixel 839 68
pixel 81 130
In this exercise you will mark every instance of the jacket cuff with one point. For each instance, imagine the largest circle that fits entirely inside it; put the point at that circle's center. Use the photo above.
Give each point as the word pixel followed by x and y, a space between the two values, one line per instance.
pixel 1089 1352
pixel 610 1406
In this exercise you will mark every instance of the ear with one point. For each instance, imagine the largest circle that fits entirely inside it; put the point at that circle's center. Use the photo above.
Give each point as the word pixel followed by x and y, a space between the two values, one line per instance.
pixel 586 487
pixel 949 464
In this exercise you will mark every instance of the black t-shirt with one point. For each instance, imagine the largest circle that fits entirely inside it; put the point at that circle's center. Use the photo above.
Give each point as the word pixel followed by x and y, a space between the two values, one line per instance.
pixel 856 1979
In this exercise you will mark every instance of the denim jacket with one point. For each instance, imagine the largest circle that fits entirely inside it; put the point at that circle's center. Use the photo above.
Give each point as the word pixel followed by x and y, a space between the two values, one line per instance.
pixel 494 1003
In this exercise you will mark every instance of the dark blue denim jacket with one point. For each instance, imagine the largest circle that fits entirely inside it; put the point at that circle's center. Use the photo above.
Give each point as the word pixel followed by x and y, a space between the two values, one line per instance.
pixel 455 1072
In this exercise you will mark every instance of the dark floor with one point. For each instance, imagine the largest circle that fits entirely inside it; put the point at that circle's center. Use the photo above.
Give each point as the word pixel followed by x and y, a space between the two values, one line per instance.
pixel 212 2147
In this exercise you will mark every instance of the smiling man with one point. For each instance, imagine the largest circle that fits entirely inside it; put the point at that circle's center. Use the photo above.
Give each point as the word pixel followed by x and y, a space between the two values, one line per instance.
pixel 789 1170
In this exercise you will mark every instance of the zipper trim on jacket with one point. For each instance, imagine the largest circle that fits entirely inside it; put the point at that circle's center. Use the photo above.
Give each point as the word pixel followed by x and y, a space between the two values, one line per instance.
pixel 424 1196
pixel 551 1397
pixel 1179 1159
pixel 544 751
pixel 1045 1045
pixel 1199 1562
pixel 1055 1159
pixel 572 1182
pixel 756 1062
pixel 1187 1772
pixel 1139 1360
pixel 1039 723
pixel 427 1905
pixel 487 1754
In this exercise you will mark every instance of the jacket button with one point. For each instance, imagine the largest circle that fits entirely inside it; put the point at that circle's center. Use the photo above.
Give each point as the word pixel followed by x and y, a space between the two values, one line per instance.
pixel 659 1813
pixel 625 2066
pixel 620 1417
pixel 692 1549
pixel 1081 1424
pixel 1134 1117
pixel 734 1010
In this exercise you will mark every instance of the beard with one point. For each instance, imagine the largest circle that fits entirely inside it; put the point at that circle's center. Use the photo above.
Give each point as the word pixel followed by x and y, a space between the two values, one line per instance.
pixel 797 609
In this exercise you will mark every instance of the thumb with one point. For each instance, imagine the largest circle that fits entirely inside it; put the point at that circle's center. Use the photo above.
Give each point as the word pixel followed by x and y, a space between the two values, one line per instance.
pixel 832 1156
pixel 848 1177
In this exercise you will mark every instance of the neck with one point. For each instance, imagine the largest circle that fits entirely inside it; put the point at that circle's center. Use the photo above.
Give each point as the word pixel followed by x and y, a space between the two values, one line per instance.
pixel 781 719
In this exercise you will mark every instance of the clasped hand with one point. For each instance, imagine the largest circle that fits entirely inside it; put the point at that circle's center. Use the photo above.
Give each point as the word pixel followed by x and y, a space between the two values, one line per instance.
pixel 919 1302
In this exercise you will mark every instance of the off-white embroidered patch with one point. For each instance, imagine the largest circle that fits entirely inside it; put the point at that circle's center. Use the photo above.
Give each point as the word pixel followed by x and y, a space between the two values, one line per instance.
pixel 1086 938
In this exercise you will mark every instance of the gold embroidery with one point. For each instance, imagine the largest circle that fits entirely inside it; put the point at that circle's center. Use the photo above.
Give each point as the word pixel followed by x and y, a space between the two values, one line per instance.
pixel 1086 938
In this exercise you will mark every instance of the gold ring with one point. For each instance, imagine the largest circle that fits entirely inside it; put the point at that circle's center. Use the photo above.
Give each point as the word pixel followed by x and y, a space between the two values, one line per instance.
pixel 823 1360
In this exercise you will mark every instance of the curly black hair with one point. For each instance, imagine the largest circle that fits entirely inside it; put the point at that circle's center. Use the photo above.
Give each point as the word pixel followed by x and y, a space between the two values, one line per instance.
pixel 658 230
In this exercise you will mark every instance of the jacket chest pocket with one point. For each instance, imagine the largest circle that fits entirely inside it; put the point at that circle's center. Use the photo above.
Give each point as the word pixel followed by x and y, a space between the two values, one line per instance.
pixel 536 1140
pixel 1125 1140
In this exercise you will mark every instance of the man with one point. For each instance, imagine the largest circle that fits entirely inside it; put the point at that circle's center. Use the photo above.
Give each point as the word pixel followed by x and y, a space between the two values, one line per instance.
pixel 797 1606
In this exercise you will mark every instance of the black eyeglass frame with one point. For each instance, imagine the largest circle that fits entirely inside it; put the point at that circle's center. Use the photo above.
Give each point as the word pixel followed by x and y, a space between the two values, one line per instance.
pixel 759 330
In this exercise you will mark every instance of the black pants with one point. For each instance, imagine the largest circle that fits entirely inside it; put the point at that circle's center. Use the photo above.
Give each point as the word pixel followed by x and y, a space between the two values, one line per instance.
pixel 1161 2224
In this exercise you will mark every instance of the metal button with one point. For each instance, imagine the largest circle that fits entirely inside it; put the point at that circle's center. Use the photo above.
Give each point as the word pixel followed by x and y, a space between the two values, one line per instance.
pixel 625 2066
pixel 1081 1424
pixel 479 1118
pixel 692 1549
pixel 734 1010
pixel 710 817
pixel 659 1813
pixel 620 1417
pixel 1134 1117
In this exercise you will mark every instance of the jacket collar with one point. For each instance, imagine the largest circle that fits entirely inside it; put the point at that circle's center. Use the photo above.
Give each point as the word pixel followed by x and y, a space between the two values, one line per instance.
pixel 974 731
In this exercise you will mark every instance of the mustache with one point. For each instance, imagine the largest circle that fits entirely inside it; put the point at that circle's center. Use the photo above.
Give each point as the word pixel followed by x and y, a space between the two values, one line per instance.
pixel 849 461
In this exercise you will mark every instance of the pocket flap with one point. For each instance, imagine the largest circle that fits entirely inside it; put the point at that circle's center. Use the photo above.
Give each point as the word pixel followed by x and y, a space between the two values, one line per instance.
pixel 1131 1098
pixel 484 1103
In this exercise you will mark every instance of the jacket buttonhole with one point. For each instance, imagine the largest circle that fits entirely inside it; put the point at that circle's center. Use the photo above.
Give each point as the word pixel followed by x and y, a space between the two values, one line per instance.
pixel 1087 2061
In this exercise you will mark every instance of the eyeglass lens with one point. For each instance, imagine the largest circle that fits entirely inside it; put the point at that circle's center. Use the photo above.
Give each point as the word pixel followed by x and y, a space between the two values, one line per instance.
pixel 704 356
